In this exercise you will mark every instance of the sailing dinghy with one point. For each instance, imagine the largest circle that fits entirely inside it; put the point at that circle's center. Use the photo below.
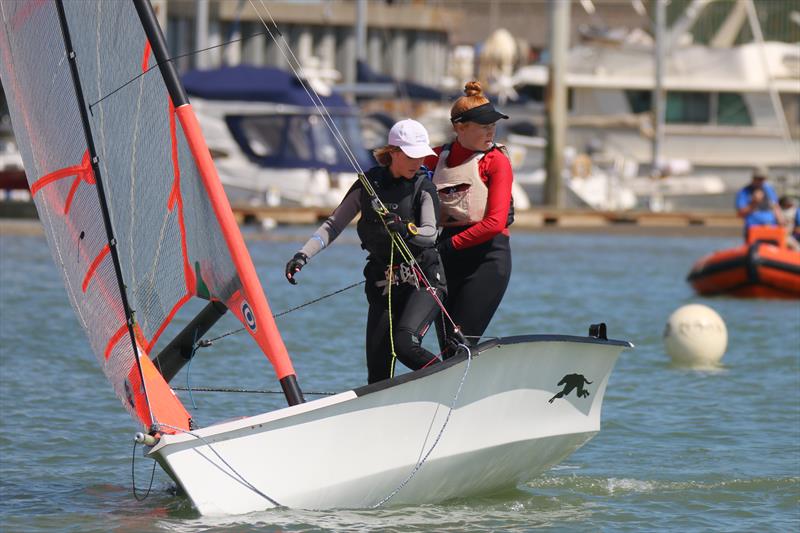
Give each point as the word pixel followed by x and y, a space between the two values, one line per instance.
pixel 137 221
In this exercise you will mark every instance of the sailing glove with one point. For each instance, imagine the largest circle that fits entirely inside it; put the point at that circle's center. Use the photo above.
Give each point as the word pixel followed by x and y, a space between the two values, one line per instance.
pixel 295 265
pixel 398 225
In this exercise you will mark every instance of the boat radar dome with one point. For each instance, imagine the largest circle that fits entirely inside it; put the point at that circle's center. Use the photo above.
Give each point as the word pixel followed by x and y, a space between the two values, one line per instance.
pixel 696 335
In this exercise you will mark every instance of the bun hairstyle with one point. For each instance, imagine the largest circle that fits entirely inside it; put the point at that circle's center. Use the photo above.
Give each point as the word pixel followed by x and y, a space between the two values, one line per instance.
pixel 473 97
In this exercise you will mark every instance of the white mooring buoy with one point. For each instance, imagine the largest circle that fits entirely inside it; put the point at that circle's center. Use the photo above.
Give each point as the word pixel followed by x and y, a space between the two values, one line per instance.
pixel 695 334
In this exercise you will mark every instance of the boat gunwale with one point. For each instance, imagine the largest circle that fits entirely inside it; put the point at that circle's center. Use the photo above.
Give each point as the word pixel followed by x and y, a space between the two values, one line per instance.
pixel 217 431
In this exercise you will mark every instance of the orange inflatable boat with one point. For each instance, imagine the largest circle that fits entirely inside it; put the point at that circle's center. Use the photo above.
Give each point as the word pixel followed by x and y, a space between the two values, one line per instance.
pixel 762 268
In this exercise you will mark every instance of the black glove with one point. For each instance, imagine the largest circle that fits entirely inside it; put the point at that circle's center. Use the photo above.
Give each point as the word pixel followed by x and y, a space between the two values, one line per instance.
pixel 396 224
pixel 295 265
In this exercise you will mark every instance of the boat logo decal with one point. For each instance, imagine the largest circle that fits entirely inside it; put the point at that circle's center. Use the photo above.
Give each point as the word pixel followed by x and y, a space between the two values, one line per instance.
pixel 572 381
pixel 249 317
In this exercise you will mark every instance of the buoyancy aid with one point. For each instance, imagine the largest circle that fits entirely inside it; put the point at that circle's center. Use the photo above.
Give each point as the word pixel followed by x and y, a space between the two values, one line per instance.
pixel 400 196
pixel 462 193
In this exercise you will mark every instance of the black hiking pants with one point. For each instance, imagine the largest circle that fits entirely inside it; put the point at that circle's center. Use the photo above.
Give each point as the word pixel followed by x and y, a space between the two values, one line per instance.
pixel 477 279
pixel 413 310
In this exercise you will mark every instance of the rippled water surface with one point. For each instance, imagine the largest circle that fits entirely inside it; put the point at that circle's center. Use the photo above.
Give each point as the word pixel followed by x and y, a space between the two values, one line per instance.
pixel 680 449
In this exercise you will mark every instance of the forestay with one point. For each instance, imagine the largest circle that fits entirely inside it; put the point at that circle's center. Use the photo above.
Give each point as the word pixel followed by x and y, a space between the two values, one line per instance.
pixel 158 220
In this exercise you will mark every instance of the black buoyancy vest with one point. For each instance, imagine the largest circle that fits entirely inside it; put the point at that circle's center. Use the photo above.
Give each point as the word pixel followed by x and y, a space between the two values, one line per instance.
pixel 398 195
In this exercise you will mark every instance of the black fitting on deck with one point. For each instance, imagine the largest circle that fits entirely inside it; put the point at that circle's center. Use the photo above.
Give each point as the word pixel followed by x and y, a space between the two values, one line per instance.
pixel 292 390
pixel 180 350
pixel 598 331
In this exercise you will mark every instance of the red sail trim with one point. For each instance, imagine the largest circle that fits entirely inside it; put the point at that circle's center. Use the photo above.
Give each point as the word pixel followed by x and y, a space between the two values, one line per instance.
pixel 76 170
pixel 146 56
pixel 115 339
pixel 86 175
pixel 93 267
pixel 261 324
pixel 176 198
pixel 167 320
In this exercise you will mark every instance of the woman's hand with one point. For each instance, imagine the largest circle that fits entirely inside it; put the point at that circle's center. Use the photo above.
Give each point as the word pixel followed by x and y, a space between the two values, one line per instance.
pixel 295 265
pixel 397 225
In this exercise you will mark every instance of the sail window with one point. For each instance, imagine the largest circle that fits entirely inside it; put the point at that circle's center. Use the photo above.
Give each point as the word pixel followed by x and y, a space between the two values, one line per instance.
pixel 732 110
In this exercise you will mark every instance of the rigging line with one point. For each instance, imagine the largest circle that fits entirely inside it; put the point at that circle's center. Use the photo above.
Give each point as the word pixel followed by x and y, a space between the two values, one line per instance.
pixel 179 56
pixel 189 366
pixel 318 104
pixel 207 342
pixel 345 147
pixel 133 477
pixel 390 280
pixel 322 109
pixel 249 391
pixel 241 479
pixel 438 437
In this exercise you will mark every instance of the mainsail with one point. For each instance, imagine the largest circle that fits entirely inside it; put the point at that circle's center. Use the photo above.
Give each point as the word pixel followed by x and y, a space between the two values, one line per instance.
pixel 132 208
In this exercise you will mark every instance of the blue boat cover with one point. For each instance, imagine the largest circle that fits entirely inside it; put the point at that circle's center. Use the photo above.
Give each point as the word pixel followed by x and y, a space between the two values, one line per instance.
pixel 414 91
pixel 253 84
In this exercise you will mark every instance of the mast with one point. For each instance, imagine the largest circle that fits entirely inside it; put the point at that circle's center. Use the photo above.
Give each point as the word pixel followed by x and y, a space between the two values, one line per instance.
pixel 556 101
pixel 112 242
pixel 658 88
pixel 254 310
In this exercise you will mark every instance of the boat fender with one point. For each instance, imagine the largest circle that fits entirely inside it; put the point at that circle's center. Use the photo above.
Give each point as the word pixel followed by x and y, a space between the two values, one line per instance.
pixel 598 331
pixel 147 440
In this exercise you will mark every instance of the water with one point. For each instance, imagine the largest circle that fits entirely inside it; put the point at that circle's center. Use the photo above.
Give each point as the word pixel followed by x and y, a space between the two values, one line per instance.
pixel 680 449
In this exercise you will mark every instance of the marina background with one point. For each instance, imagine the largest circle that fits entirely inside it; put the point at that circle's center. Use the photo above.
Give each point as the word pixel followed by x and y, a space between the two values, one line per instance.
pixel 714 449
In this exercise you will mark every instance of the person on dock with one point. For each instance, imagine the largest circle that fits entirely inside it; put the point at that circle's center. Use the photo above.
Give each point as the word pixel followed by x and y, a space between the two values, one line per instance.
pixel 473 177
pixel 402 300
pixel 757 202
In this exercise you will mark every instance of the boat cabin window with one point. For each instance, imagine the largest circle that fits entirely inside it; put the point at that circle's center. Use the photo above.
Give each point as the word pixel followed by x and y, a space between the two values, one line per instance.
pixel 263 134
pixel 688 107
pixel 297 146
pixel 639 101
pixel 694 107
pixel 732 110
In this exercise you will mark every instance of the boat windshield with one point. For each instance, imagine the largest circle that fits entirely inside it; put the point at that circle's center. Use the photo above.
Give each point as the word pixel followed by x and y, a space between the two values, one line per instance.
pixel 304 141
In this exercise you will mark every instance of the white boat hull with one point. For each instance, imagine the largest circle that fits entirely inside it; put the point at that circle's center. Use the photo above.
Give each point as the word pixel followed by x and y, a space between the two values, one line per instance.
pixel 355 449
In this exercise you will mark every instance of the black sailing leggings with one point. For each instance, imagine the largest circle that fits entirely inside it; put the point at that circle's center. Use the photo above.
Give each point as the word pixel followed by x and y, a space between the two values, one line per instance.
pixel 413 310
pixel 477 279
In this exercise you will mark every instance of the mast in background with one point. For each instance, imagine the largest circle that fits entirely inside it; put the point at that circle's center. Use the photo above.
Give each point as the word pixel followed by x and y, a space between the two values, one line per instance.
pixel 200 32
pixel 556 102
pixel 658 86
pixel 361 30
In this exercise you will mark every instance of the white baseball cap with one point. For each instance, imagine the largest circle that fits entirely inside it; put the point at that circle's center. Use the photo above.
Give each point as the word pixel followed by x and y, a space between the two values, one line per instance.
pixel 410 136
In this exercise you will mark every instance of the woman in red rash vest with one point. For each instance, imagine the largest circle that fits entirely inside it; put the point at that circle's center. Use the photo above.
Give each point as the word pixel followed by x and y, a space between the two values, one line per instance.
pixel 473 177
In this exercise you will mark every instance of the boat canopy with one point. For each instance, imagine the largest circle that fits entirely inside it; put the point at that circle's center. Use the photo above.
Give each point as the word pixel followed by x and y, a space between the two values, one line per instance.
pixel 405 89
pixel 254 84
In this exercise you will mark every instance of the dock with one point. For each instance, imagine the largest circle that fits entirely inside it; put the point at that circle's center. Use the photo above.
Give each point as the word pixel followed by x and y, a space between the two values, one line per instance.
pixel 20 218
pixel 535 218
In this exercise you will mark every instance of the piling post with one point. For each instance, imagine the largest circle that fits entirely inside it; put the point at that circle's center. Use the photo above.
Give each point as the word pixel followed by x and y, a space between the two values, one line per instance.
pixel 556 101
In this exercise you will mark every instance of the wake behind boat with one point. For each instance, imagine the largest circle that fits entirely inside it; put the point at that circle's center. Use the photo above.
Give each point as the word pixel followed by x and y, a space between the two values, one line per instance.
pixel 137 220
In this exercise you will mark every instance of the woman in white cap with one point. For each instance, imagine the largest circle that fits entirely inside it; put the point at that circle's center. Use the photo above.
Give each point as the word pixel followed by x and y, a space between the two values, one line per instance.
pixel 413 214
